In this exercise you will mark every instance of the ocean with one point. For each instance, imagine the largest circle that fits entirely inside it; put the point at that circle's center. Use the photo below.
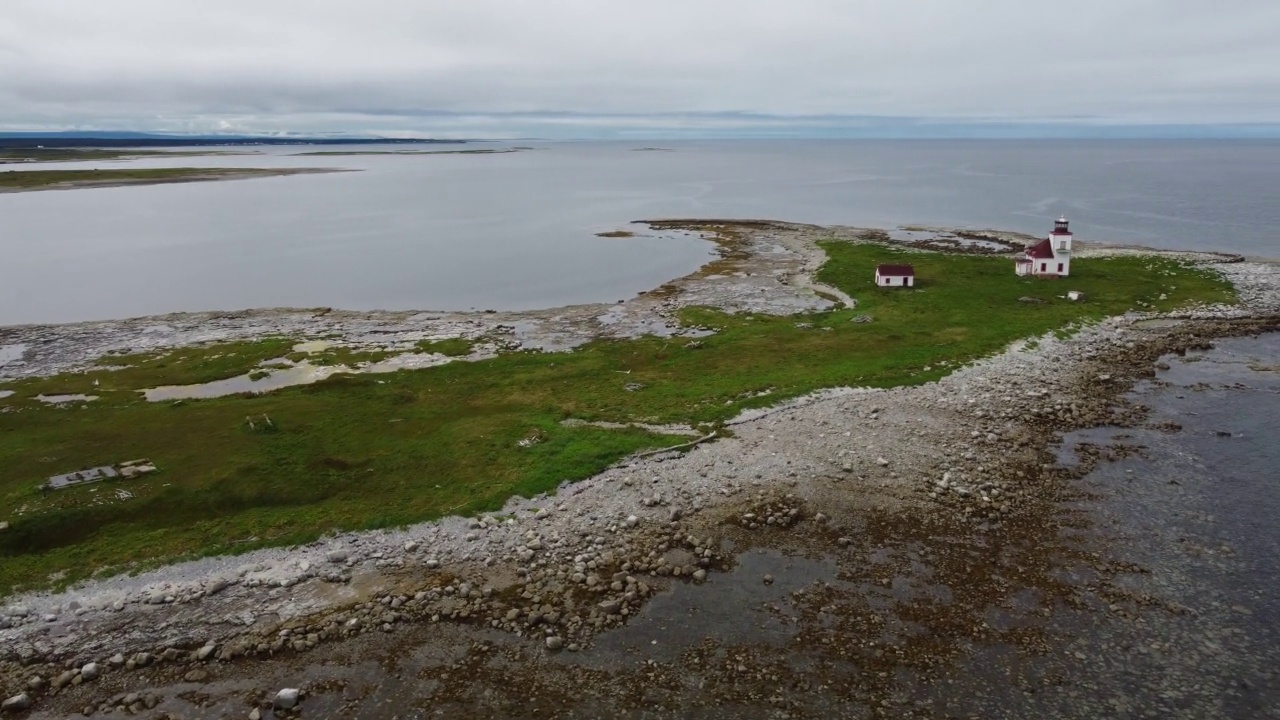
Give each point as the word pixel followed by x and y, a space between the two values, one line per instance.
pixel 518 230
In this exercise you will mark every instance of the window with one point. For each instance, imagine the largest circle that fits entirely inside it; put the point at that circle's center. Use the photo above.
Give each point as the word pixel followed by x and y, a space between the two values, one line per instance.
pixel 1062 244
pixel 1059 267
pixel 1044 267
pixel 904 281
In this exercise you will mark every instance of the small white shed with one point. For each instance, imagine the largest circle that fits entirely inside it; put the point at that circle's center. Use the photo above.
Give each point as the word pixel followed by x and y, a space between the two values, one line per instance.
pixel 895 276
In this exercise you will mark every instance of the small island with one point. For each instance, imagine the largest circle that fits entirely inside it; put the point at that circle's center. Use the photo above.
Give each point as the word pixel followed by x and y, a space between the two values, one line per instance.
pixel 30 180
pixel 476 151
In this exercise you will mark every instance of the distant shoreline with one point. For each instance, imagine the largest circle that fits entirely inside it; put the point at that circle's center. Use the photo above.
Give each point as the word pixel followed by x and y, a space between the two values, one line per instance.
pixel 26 141
pixel 41 180
pixel 477 151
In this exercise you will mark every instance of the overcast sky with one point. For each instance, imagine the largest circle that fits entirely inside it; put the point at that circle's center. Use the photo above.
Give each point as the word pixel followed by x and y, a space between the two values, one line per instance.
pixel 603 67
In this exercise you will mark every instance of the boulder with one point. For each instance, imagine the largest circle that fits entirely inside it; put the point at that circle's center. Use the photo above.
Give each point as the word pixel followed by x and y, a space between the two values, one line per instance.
pixel 16 704
pixel 64 679
pixel 287 699
pixel 90 671
pixel 206 652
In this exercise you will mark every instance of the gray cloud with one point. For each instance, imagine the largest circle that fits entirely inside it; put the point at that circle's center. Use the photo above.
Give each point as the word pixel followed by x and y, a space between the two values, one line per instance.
pixel 499 66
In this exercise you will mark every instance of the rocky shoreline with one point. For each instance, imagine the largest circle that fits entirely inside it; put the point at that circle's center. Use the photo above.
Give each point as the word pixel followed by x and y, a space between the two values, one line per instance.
pixel 825 474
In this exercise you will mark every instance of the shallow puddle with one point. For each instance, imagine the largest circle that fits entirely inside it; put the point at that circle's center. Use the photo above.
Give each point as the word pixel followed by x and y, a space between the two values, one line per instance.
pixel 300 374
pixel 63 399
pixel 313 346
pixel 276 378
pixel 734 607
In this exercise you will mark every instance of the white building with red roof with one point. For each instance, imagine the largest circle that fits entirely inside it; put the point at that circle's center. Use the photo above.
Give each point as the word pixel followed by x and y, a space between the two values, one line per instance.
pixel 895 276
pixel 1050 257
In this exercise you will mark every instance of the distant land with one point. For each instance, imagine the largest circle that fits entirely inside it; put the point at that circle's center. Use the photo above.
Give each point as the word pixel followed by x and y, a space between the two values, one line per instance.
pixel 72 139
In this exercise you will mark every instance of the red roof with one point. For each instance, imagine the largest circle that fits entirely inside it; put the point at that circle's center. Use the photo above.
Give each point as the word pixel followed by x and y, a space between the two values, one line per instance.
pixel 1041 251
pixel 895 270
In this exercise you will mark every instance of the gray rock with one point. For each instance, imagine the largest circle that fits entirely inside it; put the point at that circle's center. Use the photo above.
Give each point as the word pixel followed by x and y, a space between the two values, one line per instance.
pixel 64 679
pixel 255 714
pixel 17 703
pixel 206 652
pixel 631 521
pixel 699 575
pixel 116 660
pixel 337 556
pixel 287 699
pixel 217 586
pixel 90 671
pixel 555 642
pixel 410 546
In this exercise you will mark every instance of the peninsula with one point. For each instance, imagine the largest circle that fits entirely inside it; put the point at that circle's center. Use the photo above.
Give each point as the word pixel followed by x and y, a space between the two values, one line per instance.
pixel 517 485
pixel 29 180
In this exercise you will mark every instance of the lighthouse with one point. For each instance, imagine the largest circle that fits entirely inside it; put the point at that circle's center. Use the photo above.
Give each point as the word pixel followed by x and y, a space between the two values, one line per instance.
pixel 1050 257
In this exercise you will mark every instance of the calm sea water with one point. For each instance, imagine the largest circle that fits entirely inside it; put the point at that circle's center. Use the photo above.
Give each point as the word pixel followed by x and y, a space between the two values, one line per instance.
pixel 516 231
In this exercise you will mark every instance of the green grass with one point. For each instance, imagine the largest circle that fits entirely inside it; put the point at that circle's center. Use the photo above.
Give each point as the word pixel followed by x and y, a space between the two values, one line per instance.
pixel 119 377
pixel 452 347
pixel 359 451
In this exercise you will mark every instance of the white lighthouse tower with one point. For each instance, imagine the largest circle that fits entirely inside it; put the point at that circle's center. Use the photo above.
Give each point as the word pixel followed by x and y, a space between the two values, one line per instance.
pixel 1061 239
pixel 1050 257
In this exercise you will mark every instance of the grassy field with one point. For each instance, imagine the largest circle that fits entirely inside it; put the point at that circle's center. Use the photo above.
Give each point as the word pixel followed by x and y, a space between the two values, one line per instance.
pixel 37 179
pixel 363 451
